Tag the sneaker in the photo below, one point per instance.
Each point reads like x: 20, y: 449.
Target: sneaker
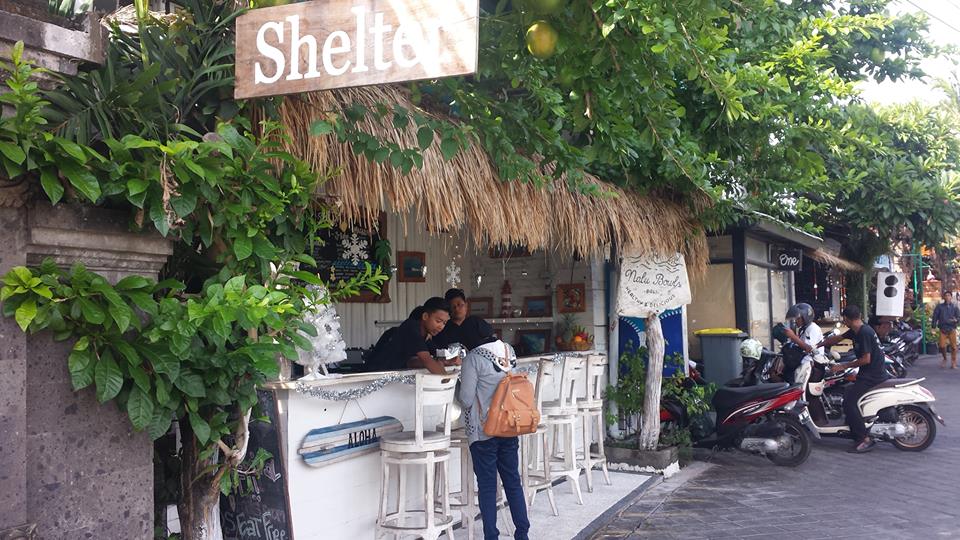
x: 863, y: 447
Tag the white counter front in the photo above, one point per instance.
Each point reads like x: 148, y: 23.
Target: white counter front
x: 340, y: 500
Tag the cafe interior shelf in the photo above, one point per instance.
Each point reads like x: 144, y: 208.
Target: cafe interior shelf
x: 495, y: 322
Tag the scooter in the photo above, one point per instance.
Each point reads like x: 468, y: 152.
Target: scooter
x: 766, y: 419
x: 899, y: 411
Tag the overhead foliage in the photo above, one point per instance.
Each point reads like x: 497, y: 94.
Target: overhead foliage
x: 724, y: 97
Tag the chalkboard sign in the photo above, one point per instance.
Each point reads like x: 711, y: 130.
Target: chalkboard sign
x: 261, y: 511
x: 789, y: 260
x: 341, y: 253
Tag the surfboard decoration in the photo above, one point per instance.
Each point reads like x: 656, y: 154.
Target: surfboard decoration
x: 333, y: 444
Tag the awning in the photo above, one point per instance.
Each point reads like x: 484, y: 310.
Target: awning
x: 829, y: 259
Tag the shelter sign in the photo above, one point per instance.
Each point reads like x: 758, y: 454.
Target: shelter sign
x: 327, y: 44
x: 652, y: 284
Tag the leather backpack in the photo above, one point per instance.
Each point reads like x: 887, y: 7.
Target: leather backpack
x: 513, y: 408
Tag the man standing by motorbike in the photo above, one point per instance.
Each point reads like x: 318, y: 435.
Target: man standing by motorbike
x: 806, y: 335
x: 869, y: 360
x: 945, y: 318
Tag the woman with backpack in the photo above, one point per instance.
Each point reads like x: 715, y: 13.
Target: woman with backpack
x: 486, y: 365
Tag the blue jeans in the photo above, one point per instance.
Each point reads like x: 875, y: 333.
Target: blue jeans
x: 499, y: 454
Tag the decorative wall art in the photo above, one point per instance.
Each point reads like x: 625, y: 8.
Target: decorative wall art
x: 411, y: 266
x: 481, y: 307
x: 529, y: 342
x: 537, y: 306
x: 341, y: 253
x: 571, y: 298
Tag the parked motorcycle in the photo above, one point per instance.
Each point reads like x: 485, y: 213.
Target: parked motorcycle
x: 767, y: 419
x: 912, y: 339
x: 899, y: 411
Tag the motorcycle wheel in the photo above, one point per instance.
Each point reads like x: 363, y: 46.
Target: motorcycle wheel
x: 800, y: 446
x: 924, y: 426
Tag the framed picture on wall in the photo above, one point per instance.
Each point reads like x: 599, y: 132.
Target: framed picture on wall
x: 530, y: 342
x: 571, y: 298
x: 411, y: 266
x: 481, y: 307
x: 537, y: 306
x: 509, y: 252
x: 342, y: 253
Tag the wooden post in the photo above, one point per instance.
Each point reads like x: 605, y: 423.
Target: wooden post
x: 650, y: 421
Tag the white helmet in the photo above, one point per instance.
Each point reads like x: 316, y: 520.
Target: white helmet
x: 751, y: 348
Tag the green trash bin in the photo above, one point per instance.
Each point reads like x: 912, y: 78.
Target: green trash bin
x: 721, y: 353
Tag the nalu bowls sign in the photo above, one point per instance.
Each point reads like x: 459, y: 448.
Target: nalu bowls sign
x: 341, y: 43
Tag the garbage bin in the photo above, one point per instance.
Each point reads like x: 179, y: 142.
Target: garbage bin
x: 721, y: 353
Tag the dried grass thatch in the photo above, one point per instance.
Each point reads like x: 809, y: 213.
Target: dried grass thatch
x: 829, y: 259
x: 467, y: 192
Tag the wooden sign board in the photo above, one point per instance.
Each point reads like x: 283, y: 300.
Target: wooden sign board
x: 652, y: 284
x: 327, y: 44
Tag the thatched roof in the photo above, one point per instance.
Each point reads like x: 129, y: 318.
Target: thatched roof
x: 466, y: 192
x: 825, y: 257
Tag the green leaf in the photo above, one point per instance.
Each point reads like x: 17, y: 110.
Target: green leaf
x: 242, y: 247
x: 191, y: 384
x: 140, y: 408
x: 160, y: 423
x: 13, y: 152
x: 128, y: 352
x: 121, y: 315
x: 449, y: 148
x: 163, y: 391
x: 130, y: 283
x: 307, y: 277
x: 424, y: 137
x: 91, y: 311
x: 140, y: 377
x: 72, y: 148
x: 80, y: 365
x: 26, y: 313
x: 80, y: 178
x: 108, y: 377
x: 200, y: 428
x: 321, y: 127
x: 51, y: 185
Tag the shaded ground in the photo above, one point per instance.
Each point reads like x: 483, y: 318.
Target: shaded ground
x: 884, y: 494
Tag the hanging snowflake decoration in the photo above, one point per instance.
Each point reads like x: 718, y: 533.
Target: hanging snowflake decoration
x: 353, y: 247
x: 453, y: 274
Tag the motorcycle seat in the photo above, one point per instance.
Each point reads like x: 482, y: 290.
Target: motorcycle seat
x: 728, y: 397
x: 891, y: 383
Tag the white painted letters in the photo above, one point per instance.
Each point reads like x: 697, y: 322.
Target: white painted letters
x: 270, y: 52
x: 329, y: 50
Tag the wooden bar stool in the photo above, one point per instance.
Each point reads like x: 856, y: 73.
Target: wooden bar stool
x: 558, y: 418
x: 414, y: 448
x: 466, y: 499
x: 590, y: 412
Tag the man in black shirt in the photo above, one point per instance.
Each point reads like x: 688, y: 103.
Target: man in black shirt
x: 869, y: 360
x: 468, y: 331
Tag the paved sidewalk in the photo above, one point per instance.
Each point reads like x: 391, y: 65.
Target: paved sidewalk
x: 884, y: 494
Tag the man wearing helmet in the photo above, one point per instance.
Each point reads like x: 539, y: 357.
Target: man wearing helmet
x: 801, y: 329
x: 804, y: 336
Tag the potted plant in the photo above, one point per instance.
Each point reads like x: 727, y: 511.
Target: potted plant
x: 628, y: 394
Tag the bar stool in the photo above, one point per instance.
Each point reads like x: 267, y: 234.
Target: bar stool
x: 590, y: 412
x: 559, y: 418
x: 466, y: 499
x: 412, y: 448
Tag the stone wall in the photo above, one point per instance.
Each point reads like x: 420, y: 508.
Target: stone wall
x: 68, y: 465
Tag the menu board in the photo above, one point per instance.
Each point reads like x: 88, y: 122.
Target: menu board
x: 260, y: 510
x: 341, y: 252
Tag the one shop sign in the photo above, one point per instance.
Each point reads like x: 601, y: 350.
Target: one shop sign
x: 652, y: 284
x: 327, y: 44
x: 789, y: 260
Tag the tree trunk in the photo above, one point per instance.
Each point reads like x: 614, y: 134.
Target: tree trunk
x: 199, y: 506
x: 650, y: 423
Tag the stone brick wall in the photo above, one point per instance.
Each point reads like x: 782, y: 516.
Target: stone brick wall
x: 69, y: 465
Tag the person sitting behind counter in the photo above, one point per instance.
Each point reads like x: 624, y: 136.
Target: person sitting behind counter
x: 461, y: 328
x: 408, y: 345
